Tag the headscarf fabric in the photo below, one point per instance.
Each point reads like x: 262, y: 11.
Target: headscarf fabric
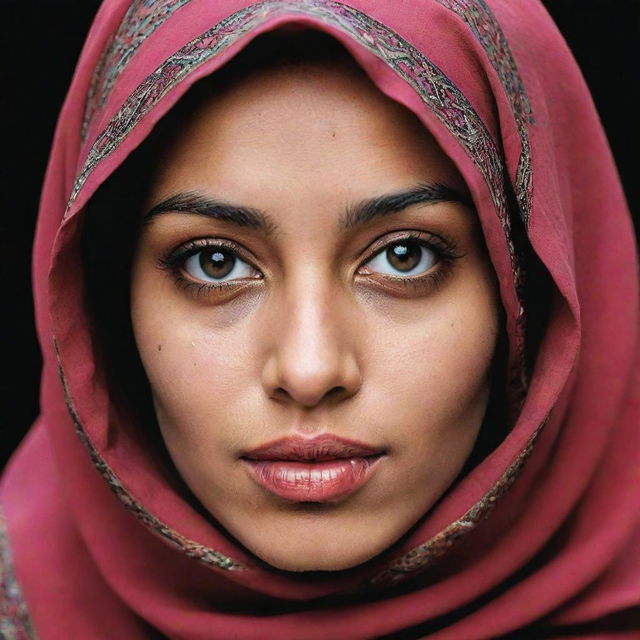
x: 541, y: 537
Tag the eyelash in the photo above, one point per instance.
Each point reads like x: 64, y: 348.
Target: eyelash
x: 174, y: 263
x: 444, y: 249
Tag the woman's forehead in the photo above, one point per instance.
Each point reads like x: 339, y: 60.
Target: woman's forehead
x: 330, y: 133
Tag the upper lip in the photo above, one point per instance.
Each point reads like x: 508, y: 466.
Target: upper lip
x: 322, y: 447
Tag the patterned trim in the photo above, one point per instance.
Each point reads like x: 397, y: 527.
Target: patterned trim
x: 188, y: 547
x: 488, y: 32
x: 15, y: 621
x: 142, y: 18
x: 419, y: 558
x: 438, y: 94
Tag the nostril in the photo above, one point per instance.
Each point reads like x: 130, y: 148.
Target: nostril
x: 335, y: 394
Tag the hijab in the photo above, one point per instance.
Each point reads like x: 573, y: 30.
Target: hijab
x: 542, y: 536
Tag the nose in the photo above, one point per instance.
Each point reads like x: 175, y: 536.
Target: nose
x: 313, y: 356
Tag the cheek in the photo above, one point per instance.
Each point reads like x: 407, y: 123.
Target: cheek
x: 197, y: 358
x: 443, y: 358
x: 194, y: 376
x: 435, y: 373
x: 200, y: 381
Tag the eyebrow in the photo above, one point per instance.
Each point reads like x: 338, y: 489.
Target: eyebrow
x: 196, y: 203
x: 367, y: 210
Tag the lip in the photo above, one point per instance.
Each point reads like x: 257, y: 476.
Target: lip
x: 318, y: 469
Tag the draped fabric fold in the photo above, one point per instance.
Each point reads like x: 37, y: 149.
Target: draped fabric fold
x: 542, y: 533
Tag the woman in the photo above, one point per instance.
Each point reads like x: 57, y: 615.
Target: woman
x: 344, y: 335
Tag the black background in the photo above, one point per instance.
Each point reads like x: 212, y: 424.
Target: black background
x: 41, y: 41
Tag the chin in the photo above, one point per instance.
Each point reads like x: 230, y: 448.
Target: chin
x: 310, y: 563
x: 327, y: 552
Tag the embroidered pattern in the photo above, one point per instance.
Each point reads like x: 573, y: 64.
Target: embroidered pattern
x: 189, y: 547
x: 435, y: 89
x: 142, y: 18
x: 488, y: 32
x: 438, y: 94
x: 419, y: 558
x: 15, y: 622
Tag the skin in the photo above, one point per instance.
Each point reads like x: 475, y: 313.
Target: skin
x: 314, y: 338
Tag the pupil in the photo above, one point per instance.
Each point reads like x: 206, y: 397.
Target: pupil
x: 217, y: 263
x: 404, y: 256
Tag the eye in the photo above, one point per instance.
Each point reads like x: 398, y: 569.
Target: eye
x: 216, y: 264
x: 403, y: 258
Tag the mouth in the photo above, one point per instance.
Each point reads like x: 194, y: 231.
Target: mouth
x: 319, y: 469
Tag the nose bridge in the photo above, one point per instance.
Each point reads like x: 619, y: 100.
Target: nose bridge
x: 314, y: 353
x: 312, y: 314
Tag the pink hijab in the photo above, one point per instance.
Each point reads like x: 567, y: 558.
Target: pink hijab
x: 542, y: 537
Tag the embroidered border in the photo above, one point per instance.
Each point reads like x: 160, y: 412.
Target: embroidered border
x: 142, y: 18
x: 487, y: 30
x: 419, y: 558
x: 435, y: 89
x: 15, y: 621
x: 439, y: 95
x: 191, y: 548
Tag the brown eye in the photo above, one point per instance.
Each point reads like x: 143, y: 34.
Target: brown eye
x: 403, y: 258
x: 217, y: 264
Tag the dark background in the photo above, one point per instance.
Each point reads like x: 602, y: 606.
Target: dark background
x: 40, y: 43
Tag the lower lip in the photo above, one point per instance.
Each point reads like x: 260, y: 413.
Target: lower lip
x: 313, y: 481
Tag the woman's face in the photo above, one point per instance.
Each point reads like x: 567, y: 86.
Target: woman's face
x: 316, y: 314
